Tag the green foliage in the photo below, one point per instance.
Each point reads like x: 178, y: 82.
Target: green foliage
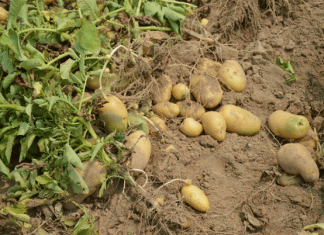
x: 285, y: 65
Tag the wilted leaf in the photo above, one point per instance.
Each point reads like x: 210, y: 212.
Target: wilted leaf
x: 88, y: 7
x: 72, y: 157
x: 65, y: 68
x: 88, y: 37
x: 15, y: 7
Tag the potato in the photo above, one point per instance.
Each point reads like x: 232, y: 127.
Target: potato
x: 204, y: 22
x: 140, y: 145
x: 166, y: 109
x: 93, y: 81
x: 195, y: 197
x: 206, y: 90
x: 232, y: 74
x: 288, y: 180
x: 159, y: 123
x: 310, y: 141
x: 162, y: 89
x: 294, y: 159
x: 288, y: 125
x: 209, y: 66
x: 180, y: 91
x: 114, y: 114
x: 92, y: 174
x: 48, y: 2
x: 214, y: 125
x: 190, y: 109
x: 3, y: 14
x: 240, y: 121
x: 190, y: 127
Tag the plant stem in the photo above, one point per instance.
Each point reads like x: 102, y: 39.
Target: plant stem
x: 180, y: 3
x: 109, y: 14
x: 58, y: 58
x: 138, y: 7
x: 38, y: 29
x: 113, y: 23
x: 155, y: 28
x: 13, y: 106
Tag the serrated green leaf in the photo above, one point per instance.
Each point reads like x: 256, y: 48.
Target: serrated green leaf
x: 25, y: 145
x: 10, y: 38
x: 15, y: 7
x: 151, y: 8
x: 88, y: 7
x: 88, y: 37
x: 6, y: 62
x: 65, y: 68
x: 23, y: 14
x: 72, y: 157
x: 31, y: 64
x: 76, y: 178
x: 8, y: 80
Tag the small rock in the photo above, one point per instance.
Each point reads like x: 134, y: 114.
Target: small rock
x: 256, y: 78
x: 277, y: 42
x: 279, y: 94
x: 258, y: 59
x: 249, y: 72
x: 207, y: 141
x: 318, y: 123
x: 290, y: 46
x: 246, y: 66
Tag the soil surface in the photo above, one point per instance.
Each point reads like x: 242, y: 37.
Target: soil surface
x: 238, y: 175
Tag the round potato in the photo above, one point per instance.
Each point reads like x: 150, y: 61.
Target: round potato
x: 180, y: 91
x: 294, y: 159
x: 162, y: 89
x: 3, y: 14
x: 206, y: 90
x: 240, y: 121
x: 232, y: 74
x: 140, y: 145
x: 190, y: 127
x: 209, y: 66
x: 190, y: 109
x: 214, y: 125
x: 166, y: 109
x: 288, y: 125
x: 114, y: 114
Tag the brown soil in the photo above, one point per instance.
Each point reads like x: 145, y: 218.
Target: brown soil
x: 238, y: 174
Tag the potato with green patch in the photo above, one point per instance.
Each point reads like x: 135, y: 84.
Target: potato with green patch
x: 288, y: 125
x: 206, y: 90
x: 190, y: 127
x: 232, y: 74
x: 190, y: 108
x: 240, y: 121
x: 214, y: 125
x: 180, y: 91
x: 162, y: 89
x: 114, y: 114
x: 166, y: 109
x: 295, y: 159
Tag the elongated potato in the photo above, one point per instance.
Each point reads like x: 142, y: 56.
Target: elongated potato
x: 214, y: 125
x: 190, y: 127
x: 288, y: 125
x: 162, y: 89
x: 180, y: 91
x: 195, y: 197
x: 232, y: 74
x: 114, y: 114
x: 190, y: 109
x: 140, y: 145
x: 209, y: 66
x: 206, y: 90
x: 240, y: 121
x: 159, y: 123
x: 288, y: 180
x: 294, y: 158
x: 92, y: 174
x: 166, y: 109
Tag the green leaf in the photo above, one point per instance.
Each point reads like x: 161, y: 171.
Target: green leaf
x: 24, y: 128
x: 10, y: 38
x: 175, y: 25
x: 77, y: 179
x: 72, y: 157
x: 151, y: 8
x: 54, y: 187
x: 3, y: 169
x: 28, y: 110
x: 291, y: 79
x: 23, y: 14
x: 52, y: 101
x: 285, y: 65
x: 8, y: 80
x: 172, y: 15
x: 6, y: 62
x: 64, y: 25
x: 88, y: 7
x: 18, y: 178
x: 25, y: 145
x: 88, y: 37
x: 96, y: 150
x: 44, y: 179
x: 10, y: 144
x: 31, y: 64
x: 65, y: 68
x: 15, y: 7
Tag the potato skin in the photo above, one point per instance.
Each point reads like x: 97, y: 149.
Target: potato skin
x: 288, y: 125
x: 114, y: 114
x: 214, y: 125
x: 162, y: 89
x: 159, y: 123
x: 310, y: 141
x: 209, y: 66
x: 92, y: 173
x: 166, y: 109
x: 206, y: 90
x: 180, y: 91
x: 190, y: 109
x: 195, y: 197
x: 3, y: 14
x: 240, y: 121
x: 232, y: 74
x: 140, y: 145
x: 190, y: 127
x: 288, y: 180
x: 294, y: 158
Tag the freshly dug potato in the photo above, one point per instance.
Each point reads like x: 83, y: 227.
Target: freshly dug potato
x: 206, y: 90
x: 288, y: 125
x: 190, y: 127
x: 92, y: 173
x: 214, y: 125
x: 240, y: 121
x: 232, y: 74
x: 3, y: 14
x: 294, y: 158
x: 162, y: 89
x: 93, y: 81
x: 190, y: 109
x: 204, y: 22
x: 195, y: 197
x: 310, y: 141
x: 288, y: 180
x: 140, y: 145
x: 159, y: 123
x: 166, y: 109
x: 48, y: 2
x: 114, y: 114
x: 209, y: 66
x: 180, y: 91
